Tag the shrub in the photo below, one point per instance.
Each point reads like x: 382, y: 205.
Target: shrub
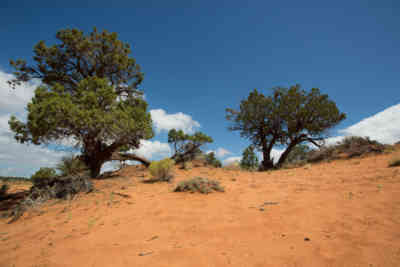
x: 395, y: 162
x: 356, y: 146
x: 187, y: 165
x: 43, y: 173
x: 199, y: 184
x: 162, y: 170
x: 71, y: 165
x: 212, y: 160
x: 3, y: 190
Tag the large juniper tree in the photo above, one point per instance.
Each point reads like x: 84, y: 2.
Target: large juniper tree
x: 287, y: 117
x: 89, y: 93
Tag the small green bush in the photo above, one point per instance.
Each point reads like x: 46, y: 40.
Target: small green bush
x: 43, y: 173
x: 395, y: 162
x: 187, y: 165
x: 162, y: 170
x: 249, y: 159
x: 199, y: 184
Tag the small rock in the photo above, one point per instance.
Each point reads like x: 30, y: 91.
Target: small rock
x: 262, y: 209
x: 141, y: 254
x: 307, y: 239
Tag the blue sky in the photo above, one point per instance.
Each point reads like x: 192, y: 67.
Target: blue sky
x: 200, y: 57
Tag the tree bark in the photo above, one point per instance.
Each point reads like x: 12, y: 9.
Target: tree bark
x: 285, y: 154
x: 126, y: 156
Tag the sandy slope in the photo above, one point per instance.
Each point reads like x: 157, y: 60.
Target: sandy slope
x: 348, y: 210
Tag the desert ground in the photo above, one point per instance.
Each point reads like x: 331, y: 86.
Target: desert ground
x: 341, y: 213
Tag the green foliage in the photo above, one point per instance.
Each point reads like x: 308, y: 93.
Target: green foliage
x: 89, y: 94
x: 249, y: 159
x: 199, y: 184
x: 212, y: 160
x: 288, y: 116
x: 395, y: 162
x: 162, y: 170
x: 43, y: 173
x: 71, y: 166
x: 187, y: 147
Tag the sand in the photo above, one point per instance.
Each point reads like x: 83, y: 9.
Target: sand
x: 342, y: 213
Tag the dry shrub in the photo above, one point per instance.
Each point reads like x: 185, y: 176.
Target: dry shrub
x: 199, y: 184
x: 395, y: 162
x: 349, y: 147
x: 45, y: 188
x: 162, y: 170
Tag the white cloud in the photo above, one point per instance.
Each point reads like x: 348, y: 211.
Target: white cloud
x: 12, y: 99
x: 220, y: 152
x: 383, y: 126
x: 180, y: 121
x: 19, y: 159
x: 153, y: 149
x: 231, y: 160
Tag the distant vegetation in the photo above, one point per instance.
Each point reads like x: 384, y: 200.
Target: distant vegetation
x: 14, y: 179
x: 249, y: 159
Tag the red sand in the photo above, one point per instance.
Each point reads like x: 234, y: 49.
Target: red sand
x: 343, y: 213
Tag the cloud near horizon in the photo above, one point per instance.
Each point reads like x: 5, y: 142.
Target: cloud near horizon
x: 220, y: 152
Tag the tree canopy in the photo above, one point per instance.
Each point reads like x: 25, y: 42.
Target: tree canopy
x: 286, y: 117
x: 186, y: 146
x: 89, y: 93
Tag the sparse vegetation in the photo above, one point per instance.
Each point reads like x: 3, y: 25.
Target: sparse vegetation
x: 199, y: 184
x: 234, y: 166
x: 212, y: 160
x: 349, y: 147
x: 162, y: 170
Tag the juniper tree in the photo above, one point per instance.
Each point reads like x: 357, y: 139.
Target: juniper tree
x: 287, y: 117
x: 249, y: 159
x: 186, y: 146
x: 89, y: 93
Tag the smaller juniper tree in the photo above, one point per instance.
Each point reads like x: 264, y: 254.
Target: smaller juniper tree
x: 249, y: 159
x: 212, y: 160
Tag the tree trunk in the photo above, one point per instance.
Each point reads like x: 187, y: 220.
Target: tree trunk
x: 95, y: 167
x: 126, y: 156
x: 285, y: 154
